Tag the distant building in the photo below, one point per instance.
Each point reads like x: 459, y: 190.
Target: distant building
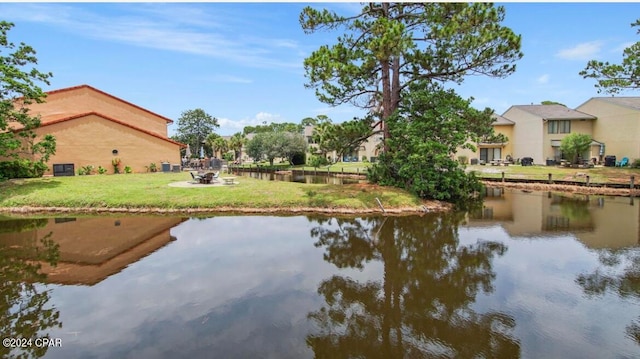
x: 537, y: 131
x: 489, y: 151
x: 617, y: 126
x: 369, y: 150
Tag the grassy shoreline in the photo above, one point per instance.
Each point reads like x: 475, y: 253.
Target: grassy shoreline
x: 151, y: 193
x: 597, y: 174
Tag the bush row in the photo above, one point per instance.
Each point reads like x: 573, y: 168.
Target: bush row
x: 22, y: 168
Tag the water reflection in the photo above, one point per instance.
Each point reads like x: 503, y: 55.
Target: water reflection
x: 25, y: 311
x: 421, y: 306
x: 451, y: 285
x: 596, y: 221
x: 93, y: 248
x: 300, y: 178
x: 619, y: 272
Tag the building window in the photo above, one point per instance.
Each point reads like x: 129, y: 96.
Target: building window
x: 490, y: 154
x: 559, y: 126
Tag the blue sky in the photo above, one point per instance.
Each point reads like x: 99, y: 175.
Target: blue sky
x: 243, y: 62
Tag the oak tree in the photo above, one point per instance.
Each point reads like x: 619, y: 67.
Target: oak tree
x: 271, y: 145
x: 27, y: 153
x: 194, y: 126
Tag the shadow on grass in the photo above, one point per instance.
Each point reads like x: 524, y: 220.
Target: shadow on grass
x: 21, y: 187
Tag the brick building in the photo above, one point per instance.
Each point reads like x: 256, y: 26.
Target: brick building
x: 92, y: 127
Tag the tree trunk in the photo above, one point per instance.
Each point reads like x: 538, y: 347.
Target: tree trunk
x: 390, y: 87
x: 386, y: 89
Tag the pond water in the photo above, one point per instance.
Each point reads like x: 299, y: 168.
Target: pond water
x: 300, y: 178
x: 531, y: 275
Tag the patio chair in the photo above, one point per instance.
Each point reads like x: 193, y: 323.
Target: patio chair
x: 208, y: 177
x: 196, y: 178
x: 623, y: 163
x: 212, y: 177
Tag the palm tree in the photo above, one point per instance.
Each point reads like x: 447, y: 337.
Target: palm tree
x: 210, y: 141
x: 221, y: 146
x: 321, y: 134
x: 236, y: 142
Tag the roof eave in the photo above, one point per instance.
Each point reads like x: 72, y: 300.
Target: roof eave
x: 168, y: 120
x: 73, y: 117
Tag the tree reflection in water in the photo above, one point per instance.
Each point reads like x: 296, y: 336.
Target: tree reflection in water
x: 624, y: 283
x: 421, y: 308
x: 23, y: 303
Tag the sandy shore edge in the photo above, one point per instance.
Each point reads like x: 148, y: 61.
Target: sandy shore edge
x: 426, y: 207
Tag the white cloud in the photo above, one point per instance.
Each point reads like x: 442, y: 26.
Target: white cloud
x: 622, y: 46
x: 229, y: 126
x: 285, y: 43
x: 543, y: 79
x: 266, y: 117
x: 339, y: 113
x: 187, y: 31
x: 230, y: 79
x: 585, y: 51
x: 188, y: 15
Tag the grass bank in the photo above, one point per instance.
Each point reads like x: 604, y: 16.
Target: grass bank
x: 151, y: 192
x: 597, y: 174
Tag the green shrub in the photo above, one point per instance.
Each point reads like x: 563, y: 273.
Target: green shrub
x: 462, y: 160
x: 102, y: 170
x: 86, y: 170
x: 229, y: 156
x: 152, y: 167
x: 420, y: 151
x: 432, y: 177
x: 317, y: 161
x: 116, y: 164
x: 298, y: 159
x: 635, y: 163
x: 127, y: 169
x: 22, y: 168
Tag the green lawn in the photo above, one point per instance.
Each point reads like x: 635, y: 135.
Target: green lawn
x: 151, y: 190
x: 596, y: 174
